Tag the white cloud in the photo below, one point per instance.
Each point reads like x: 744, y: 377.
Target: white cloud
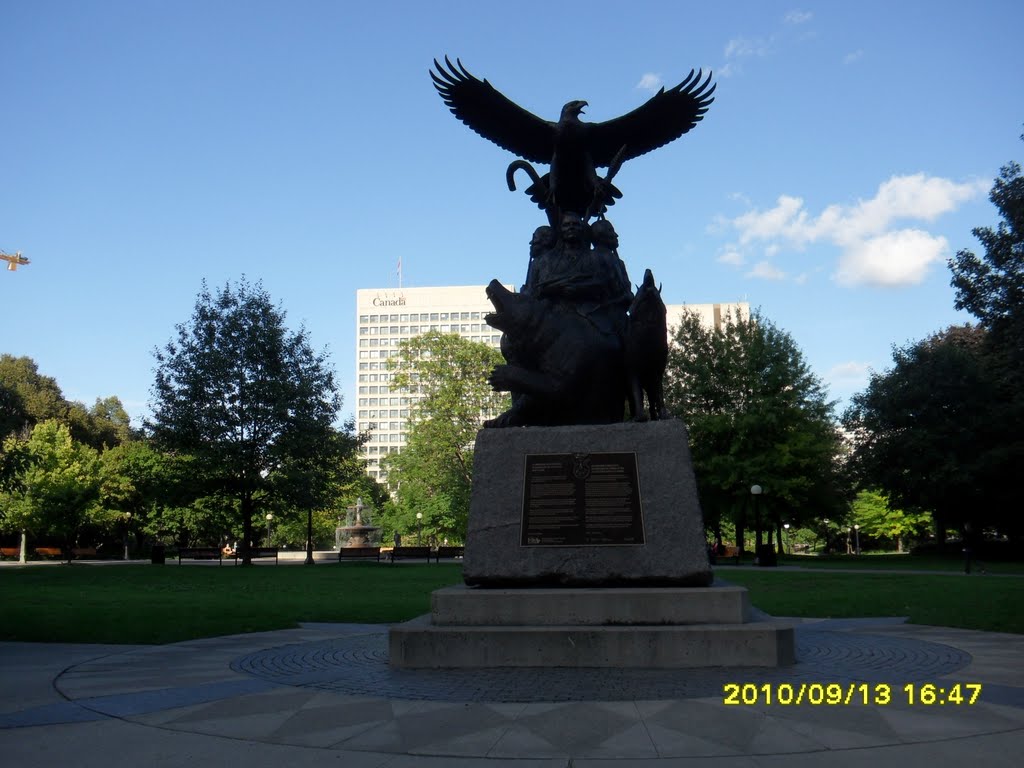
x: 731, y: 256
x: 786, y: 220
x: 891, y: 260
x: 798, y: 17
x: 850, y: 370
x: 852, y: 57
x: 874, y: 252
x: 766, y: 271
x: 650, y: 82
x: 744, y: 47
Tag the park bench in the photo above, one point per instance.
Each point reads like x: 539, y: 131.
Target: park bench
x: 261, y: 552
x: 403, y: 553
x: 50, y: 552
x: 449, y: 553
x: 352, y: 553
x: 10, y: 551
x: 83, y: 552
x: 201, y: 553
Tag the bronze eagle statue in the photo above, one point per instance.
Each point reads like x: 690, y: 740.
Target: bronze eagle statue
x: 574, y: 150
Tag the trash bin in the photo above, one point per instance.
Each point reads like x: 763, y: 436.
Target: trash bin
x: 766, y: 556
x: 158, y: 554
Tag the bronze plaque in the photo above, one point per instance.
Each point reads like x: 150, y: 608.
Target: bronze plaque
x: 581, y: 499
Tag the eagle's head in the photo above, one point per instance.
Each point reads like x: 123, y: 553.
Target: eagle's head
x: 572, y: 110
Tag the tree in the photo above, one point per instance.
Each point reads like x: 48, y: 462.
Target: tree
x: 879, y: 519
x: 28, y: 398
x: 434, y: 472
x: 110, y: 421
x: 937, y: 433
x: 756, y: 415
x: 251, y: 401
x: 992, y: 287
x: 57, y: 490
x: 139, y: 482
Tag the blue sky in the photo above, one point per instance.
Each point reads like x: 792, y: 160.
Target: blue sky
x: 148, y: 145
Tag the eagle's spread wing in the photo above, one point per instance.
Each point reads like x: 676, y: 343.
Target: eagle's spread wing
x: 492, y: 115
x: 664, y: 118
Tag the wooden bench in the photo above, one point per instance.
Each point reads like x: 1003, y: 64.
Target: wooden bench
x: 352, y: 553
x: 201, y: 553
x: 10, y: 552
x: 449, y: 553
x: 261, y: 552
x: 50, y: 552
x: 402, y: 553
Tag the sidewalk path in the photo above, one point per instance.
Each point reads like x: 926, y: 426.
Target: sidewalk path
x: 324, y: 694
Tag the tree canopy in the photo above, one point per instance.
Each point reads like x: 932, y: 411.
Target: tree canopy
x: 433, y: 473
x: 991, y: 287
x: 877, y: 518
x: 252, y: 402
x: 58, y: 487
x: 28, y: 398
x: 756, y: 415
x: 938, y: 431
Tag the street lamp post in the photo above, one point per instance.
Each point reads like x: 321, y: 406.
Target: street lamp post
x: 755, y: 491
x: 269, y: 518
x: 309, y: 538
x: 419, y: 535
x: 127, y: 522
x: 856, y: 539
x: 785, y: 527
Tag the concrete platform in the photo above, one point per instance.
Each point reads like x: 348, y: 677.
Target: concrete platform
x: 324, y: 695
x: 625, y: 628
x: 460, y: 605
x: 418, y: 644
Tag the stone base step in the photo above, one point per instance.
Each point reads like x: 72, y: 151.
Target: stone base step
x: 418, y: 644
x: 604, y: 606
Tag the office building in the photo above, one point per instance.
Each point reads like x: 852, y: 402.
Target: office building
x: 385, y: 317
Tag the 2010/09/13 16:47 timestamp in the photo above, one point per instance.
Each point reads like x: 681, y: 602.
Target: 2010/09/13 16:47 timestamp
x: 846, y: 694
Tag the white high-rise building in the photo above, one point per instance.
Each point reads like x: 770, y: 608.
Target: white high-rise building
x: 386, y: 316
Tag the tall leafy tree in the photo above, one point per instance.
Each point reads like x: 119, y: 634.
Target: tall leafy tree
x: 879, y: 519
x: 434, y: 472
x: 57, y: 488
x: 250, y: 400
x: 30, y: 397
x: 27, y: 398
x: 937, y: 432
x: 757, y: 415
x: 991, y: 287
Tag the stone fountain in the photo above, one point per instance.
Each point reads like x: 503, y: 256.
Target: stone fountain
x: 357, y: 533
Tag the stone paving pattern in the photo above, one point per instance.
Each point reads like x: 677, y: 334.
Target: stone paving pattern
x: 324, y: 693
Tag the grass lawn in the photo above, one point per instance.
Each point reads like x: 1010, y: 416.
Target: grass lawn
x: 991, y: 603
x: 896, y: 562
x: 165, y: 604
x: 151, y: 604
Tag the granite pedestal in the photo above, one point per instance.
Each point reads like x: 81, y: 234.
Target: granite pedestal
x: 672, y: 550
x: 586, y: 549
